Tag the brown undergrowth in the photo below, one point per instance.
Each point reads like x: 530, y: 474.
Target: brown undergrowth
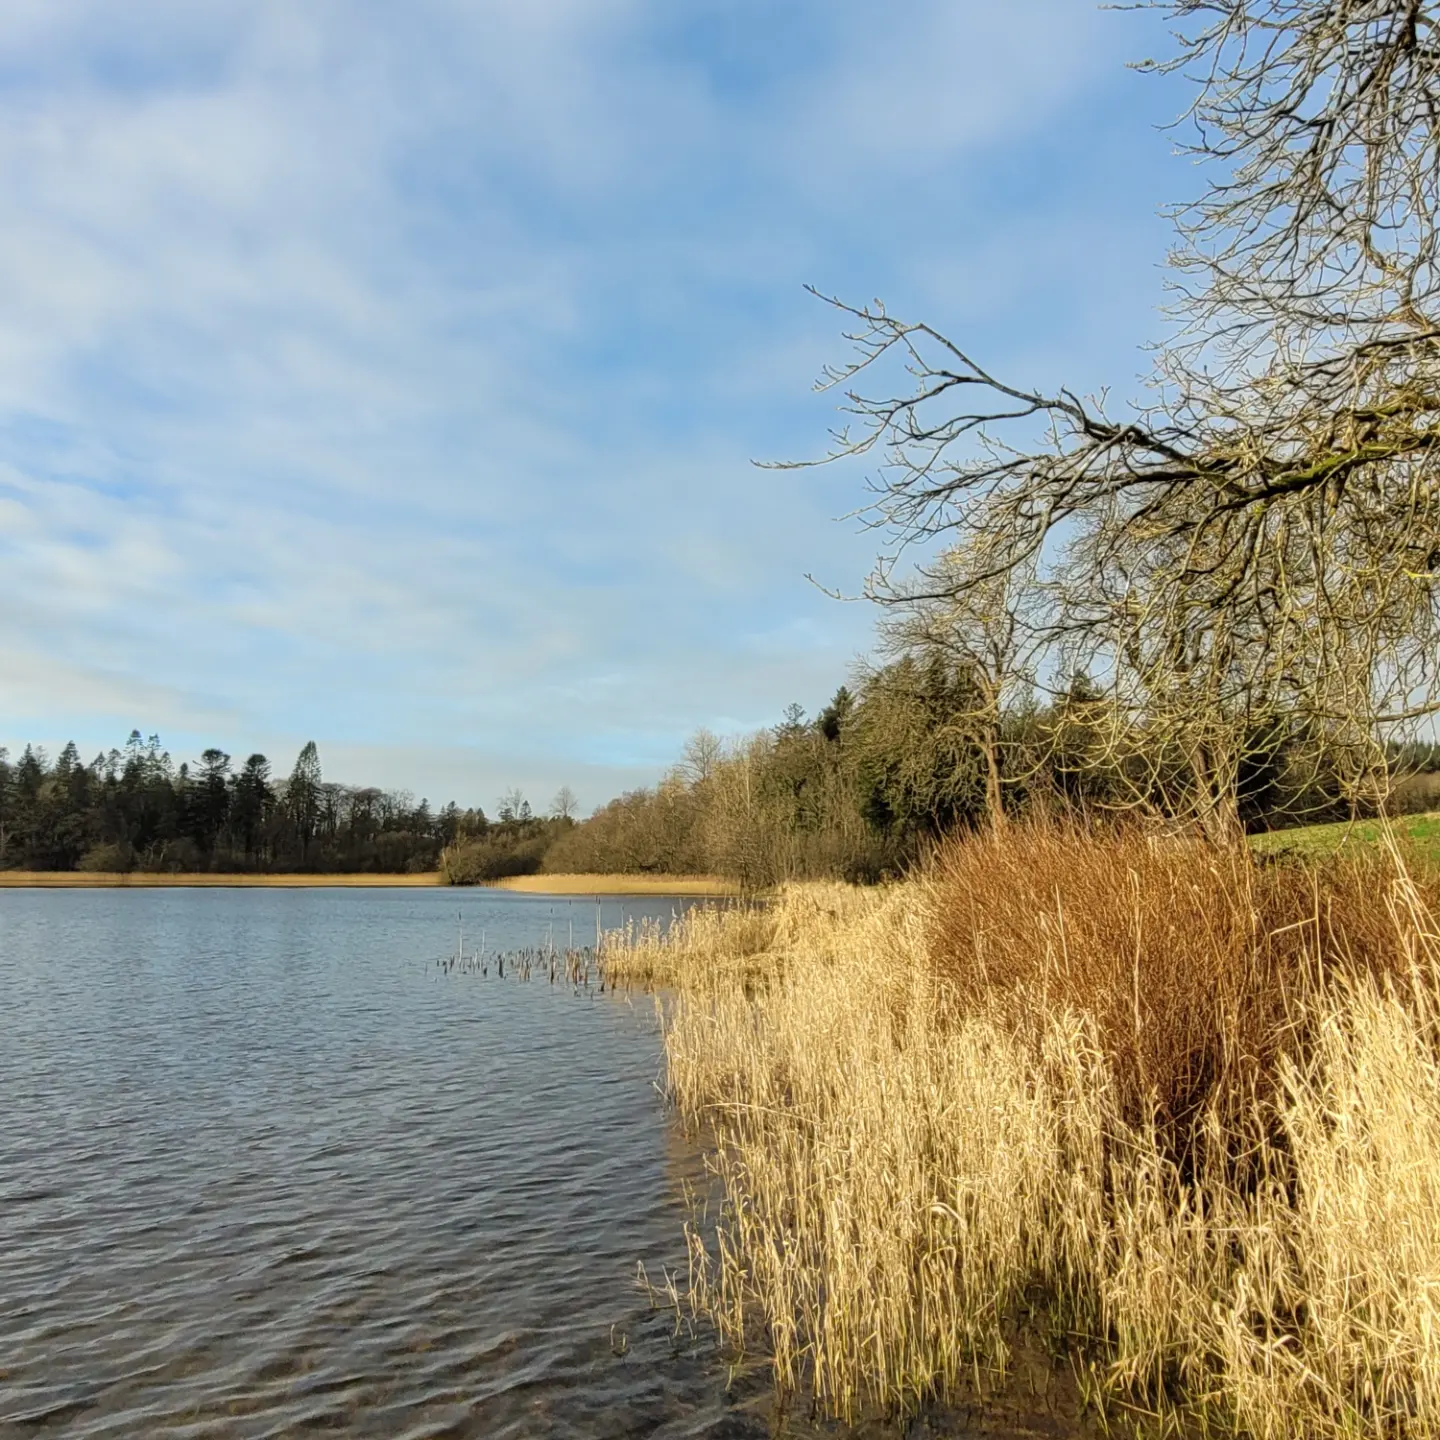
x: 1179, y: 1114
x: 1190, y: 963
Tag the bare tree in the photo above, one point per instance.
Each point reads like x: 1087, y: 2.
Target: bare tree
x: 703, y: 752
x: 1325, y: 116
x: 980, y: 627
x: 565, y: 805
x: 1258, y: 542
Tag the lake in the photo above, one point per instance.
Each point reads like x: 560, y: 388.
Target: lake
x: 266, y: 1169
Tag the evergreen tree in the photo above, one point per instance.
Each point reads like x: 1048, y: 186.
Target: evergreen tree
x: 302, y: 796
x: 210, y: 799
x: 251, y: 804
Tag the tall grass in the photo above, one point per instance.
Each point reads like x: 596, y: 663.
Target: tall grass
x: 1176, y: 1115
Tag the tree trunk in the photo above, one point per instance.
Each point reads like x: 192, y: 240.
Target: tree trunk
x: 994, y: 794
x: 1217, y: 802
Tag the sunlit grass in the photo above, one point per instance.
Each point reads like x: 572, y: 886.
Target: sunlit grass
x: 617, y: 885
x: 1419, y: 833
x: 1178, y: 1114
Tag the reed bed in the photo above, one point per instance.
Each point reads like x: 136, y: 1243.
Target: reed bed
x: 679, y: 885
x: 576, y: 966
x: 1172, y: 1115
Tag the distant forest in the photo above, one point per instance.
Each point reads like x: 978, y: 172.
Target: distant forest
x: 135, y: 809
x: 915, y: 749
x: 912, y: 751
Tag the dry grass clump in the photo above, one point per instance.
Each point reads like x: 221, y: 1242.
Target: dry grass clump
x: 917, y: 1154
x: 715, y: 947
x: 549, y: 883
x: 1188, y: 961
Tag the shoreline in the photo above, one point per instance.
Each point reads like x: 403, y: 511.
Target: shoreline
x: 680, y: 885
x: 187, y: 880
x: 568, y: 885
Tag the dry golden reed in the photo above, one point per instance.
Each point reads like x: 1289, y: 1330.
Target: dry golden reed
x: 1181, y: 1114
x: 1187, y: 960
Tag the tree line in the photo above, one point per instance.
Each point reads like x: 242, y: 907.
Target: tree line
x: 133, y: 808
x: 913, y: 749
x: 917, y: 748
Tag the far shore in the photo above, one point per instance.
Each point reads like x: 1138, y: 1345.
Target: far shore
x: 145, y: 879
x: 618, y: 885
x: 523, y: 884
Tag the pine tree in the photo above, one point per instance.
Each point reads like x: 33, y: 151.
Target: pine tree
x: 302, y: 796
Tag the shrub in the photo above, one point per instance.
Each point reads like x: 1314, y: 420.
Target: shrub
x: 494, y: 857
x: 108, y: 859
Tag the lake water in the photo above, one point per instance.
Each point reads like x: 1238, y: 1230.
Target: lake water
x: 265, y: 1169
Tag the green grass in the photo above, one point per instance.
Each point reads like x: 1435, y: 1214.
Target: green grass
x: 1419, y: 833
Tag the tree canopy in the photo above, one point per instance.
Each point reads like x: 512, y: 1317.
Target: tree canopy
x: 134, y: 808
x: 1255, y: 542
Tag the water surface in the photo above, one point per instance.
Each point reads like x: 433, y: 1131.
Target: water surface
x: 266, y: 1169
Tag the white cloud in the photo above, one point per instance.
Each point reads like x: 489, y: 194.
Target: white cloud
x: 389, y: 375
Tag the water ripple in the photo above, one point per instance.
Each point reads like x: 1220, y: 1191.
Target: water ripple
x: 264, y: 1171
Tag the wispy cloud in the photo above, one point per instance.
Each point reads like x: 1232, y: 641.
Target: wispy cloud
x: 390, y: 375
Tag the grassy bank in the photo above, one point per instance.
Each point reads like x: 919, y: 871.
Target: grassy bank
x: 1418, y: 834
x: 90, y: 880
x: 1171, y: 1114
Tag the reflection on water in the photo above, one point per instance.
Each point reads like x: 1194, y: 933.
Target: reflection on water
x: 265, y: 1169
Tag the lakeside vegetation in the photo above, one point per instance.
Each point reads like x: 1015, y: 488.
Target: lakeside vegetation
x: 1116, y: 1070
x: 684, y: 886
x: 898, y: 761
x: 1145, y: 1106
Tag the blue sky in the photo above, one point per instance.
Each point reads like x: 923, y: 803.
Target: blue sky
x: 389, y: 375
